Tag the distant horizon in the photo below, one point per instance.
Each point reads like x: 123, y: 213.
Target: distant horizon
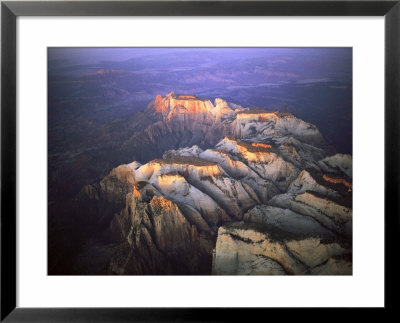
x: 102, y: 54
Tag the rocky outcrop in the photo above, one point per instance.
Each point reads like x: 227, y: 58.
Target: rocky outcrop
x: 256, y: 192
x: 176, y: 121
x: 332, y: 215
x: 339, y: 163
x: 158, y: 239
x: 307, y: 230
x: 177, y: 106
x: 262, y: 159
x: 246, y: 249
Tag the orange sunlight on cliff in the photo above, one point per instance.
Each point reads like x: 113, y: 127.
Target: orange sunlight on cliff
x: 136, y: 191
x: 169, y: 179
x: 338, y: 181
x: 161, y: 203
x: 258, y: 144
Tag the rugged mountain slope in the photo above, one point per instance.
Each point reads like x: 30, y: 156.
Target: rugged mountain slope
x: 185, y: 120
x: 259, y: 193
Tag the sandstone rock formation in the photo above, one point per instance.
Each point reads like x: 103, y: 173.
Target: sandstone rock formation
x: 244, y: 191
x: 177, y: 121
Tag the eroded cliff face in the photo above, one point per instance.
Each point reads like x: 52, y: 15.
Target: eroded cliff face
x: 156, y: 238
x: 307, y: 230
x: 263, y: 197
x: 245, y: 250
x: 176, y: 121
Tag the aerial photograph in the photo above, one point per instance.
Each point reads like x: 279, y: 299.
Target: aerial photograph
x: 200, y: 161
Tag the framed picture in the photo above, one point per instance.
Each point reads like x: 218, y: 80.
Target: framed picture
x: 161, y: 159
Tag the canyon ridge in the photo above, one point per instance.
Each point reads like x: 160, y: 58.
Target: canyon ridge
x: 218, y: 188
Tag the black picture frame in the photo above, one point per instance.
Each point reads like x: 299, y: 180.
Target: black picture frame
x: 10, y: 10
